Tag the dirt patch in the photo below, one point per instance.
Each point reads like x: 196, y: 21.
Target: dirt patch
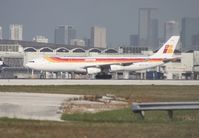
x: 93, y: 104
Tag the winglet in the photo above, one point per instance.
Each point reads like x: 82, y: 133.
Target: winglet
x: 167, y: 50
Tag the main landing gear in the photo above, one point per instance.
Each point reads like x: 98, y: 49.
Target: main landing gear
x: 103, y: 76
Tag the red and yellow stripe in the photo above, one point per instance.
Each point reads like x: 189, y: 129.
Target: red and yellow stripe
x: 100, y: 60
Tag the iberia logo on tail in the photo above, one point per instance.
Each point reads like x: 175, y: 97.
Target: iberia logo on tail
x: 168, y: 49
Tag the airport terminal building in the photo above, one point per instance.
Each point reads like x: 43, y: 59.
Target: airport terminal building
x: 15, y: 55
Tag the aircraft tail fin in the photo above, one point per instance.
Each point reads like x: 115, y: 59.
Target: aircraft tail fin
x: 167, y: 50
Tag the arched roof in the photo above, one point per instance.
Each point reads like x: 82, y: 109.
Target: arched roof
x: 111, y: 50
x: 30, y: 49
x: 95, y: 50
x: 78, y: 50
x: 46, y: 49
x: 190, y: 51
x: 62, y: 49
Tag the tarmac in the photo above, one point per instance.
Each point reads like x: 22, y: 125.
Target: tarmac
x: 33, y: 82
x: 35, y: 106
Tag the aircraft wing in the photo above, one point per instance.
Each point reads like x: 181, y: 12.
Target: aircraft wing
x: 109, y: 64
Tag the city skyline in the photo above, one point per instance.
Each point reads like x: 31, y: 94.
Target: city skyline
x: 120, y: 18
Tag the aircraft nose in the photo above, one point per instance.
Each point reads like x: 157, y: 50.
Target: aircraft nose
x: 27, y: 65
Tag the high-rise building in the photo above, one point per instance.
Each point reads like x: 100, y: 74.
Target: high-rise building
x: 71, y: 33
x: 170, y: 28
x: 87, y: 42
x: 41, y: 39
x: 195, y: 42
x: 16, y: 32
x: 60, y: 35
x: 190, y: 28
x: 98, y: 37
x: 1, y: 33
x: 64, y: 34
x: 148, y: 27
x: 153, y: 39
x: 134, y: 40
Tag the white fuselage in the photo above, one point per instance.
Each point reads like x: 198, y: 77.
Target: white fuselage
x: 45, y: 65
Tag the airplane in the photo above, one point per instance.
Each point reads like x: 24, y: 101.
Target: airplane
x: 103, y: 66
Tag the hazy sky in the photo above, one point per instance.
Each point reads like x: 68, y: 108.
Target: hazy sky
x: 120, y: 17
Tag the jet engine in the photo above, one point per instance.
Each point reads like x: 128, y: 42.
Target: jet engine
x: 93, y: 70
x: 116, y: 68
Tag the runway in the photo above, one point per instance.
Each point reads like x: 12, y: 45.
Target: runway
x: 32, y: 105
x: 34, y: 82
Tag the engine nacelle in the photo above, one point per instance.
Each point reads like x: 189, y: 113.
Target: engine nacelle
x: 116, y: 68
x: 93, y: 70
